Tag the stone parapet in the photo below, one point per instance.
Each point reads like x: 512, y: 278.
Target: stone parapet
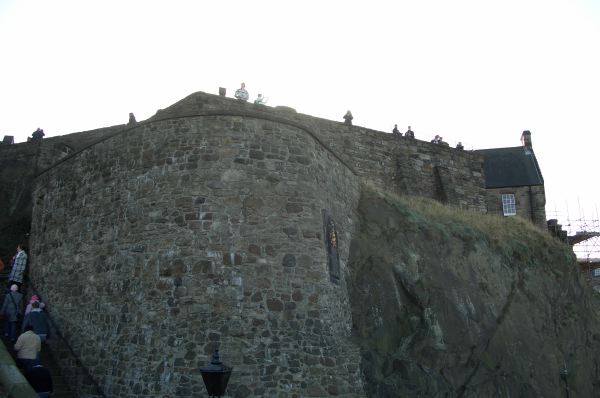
x: 397, y: 164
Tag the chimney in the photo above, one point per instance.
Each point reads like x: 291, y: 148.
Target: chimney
x: 526, y: 140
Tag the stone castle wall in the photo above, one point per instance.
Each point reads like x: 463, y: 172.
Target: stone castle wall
x: 19, y: 166
x: 401, y: 165
x: 179, y: 236
x: 202, y: 227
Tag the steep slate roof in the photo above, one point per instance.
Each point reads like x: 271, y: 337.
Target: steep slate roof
x: 510, y: 167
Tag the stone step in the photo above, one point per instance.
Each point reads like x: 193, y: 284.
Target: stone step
x: 61, y: 388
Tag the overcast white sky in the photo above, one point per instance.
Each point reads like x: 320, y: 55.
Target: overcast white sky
x: 474, y: 71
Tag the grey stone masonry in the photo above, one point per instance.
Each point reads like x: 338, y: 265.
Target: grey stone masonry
x: 397, y: 164
x: 182, y: 235
x: 202, y: 228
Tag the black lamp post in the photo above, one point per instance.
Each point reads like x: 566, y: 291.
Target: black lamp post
x: 564, y: 374
x: 216, y: 376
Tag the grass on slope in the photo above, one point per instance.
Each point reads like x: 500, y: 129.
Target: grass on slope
x: 514, y: 236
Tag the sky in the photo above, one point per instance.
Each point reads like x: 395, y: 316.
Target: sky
x: 475, y: 71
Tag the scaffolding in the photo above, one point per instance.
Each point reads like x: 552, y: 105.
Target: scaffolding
x: 583, y: 231
x: 584, y: 236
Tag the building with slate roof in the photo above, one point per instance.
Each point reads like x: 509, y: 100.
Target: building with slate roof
x: 514, y: 183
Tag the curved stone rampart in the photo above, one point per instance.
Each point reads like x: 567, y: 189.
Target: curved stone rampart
x: 19, y: 166
x: 396, y: 164
x: 157, y: 245
x: 203, y: 226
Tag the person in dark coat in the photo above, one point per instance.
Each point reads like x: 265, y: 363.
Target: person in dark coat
x: 37, y: 134
x: 11, y: 308
x: 38, y: 320
x: 348, y: 118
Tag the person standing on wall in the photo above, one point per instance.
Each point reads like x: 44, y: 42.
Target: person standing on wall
x: 11, y: 308
x: 18, y: 269
x: 241, y: 93
x: 348, y: 118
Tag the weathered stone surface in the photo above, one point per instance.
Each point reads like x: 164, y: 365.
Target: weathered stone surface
x: 219, y: 263
x: 289, y: 260
x: 447, y: 304
x: 218, y: 194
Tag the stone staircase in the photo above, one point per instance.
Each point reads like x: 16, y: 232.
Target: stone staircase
x: 61, y: 388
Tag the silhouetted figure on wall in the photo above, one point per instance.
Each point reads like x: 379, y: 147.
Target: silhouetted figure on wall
x: 396, y: 132
x: 348, y: 118
x: 460, y: 146
x: 37, y: 134
x: 132, y: 118
x: 409, y: 133
x: 438, y: 139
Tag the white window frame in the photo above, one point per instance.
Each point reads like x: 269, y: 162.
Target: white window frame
x: 596, y: 272
x: 509, y: 204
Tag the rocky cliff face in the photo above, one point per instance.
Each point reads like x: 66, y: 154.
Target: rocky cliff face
x: 453, y: 304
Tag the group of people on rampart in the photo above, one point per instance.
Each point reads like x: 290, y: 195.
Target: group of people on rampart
x: 37, y: 135
x: 243, y: 95
x: 438, y: 139
x: 26, y: 327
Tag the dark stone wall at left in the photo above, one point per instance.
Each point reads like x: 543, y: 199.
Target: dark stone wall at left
x: 17, y: 168
x: 19, y: 164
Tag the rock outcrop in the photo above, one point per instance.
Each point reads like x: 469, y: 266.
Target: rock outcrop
x: 453, y: 304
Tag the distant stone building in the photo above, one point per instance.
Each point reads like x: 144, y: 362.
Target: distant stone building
x: 514, y: 183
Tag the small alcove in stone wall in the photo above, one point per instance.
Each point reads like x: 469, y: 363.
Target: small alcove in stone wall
x: 331, y: 243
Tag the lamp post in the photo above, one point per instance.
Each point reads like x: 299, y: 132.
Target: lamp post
x: 564, y: 374
x: 216, y: 376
